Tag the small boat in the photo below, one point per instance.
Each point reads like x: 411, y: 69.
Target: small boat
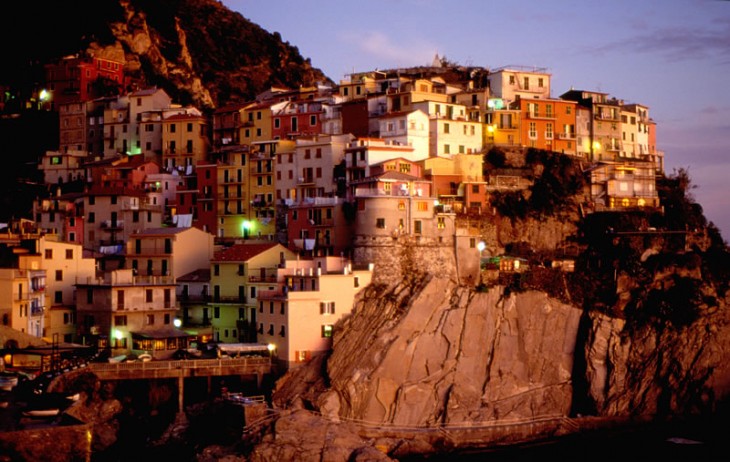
x: 7, y: 381
x: 41, y: 413
x: 145, y: 357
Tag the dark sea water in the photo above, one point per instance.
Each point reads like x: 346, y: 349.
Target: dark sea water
x: 696, y: 442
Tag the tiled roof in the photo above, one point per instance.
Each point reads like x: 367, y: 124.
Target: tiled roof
x: 391, y: 175
x: 199, y: 275
x: 159, y: 231
x: 242, y: 252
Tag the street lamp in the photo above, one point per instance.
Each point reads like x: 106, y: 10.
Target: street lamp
x: 246, y: 228
x: 481, y: 245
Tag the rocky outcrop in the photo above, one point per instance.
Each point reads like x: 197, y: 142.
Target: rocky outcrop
x: 453, y: 356
x: 432, y: 355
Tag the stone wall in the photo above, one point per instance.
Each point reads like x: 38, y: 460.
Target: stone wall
x: 60, y: 443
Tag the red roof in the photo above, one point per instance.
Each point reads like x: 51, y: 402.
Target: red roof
x: 242, y: 252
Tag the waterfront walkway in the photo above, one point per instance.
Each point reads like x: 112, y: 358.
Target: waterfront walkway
x: 252, y: 366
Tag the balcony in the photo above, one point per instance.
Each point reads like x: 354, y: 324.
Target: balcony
x: 302, y: 180
x: 607, y: 117
x: 260, y: 278
x: 112, y: 225
x: 539, y: 116
x: 235, y: 299
x: 566, y: 136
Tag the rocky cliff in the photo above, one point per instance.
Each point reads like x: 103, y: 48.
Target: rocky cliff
x: 199, y: 51
x: 639, y: 332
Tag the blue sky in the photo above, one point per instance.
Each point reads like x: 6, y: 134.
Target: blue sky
x: 671, y: 55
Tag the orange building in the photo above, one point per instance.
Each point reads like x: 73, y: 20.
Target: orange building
x: 548, y: 124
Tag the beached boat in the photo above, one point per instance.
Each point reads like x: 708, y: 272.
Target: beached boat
x: 8, y: 381
x: 41, y: 413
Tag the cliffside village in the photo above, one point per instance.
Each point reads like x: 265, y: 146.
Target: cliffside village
x: 260, y: 224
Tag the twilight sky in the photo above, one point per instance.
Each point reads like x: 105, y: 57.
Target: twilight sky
x: 670, y: 55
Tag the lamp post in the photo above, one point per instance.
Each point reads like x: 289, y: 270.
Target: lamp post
x: 245, y: 228
x: 481, y: 245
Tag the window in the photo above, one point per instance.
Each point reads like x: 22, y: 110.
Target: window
x: 69, y: 254
x: 217, y: 312
x: 446, y: 128
x: 282, y: 331
x: 549, y: 131
x: 532, y: 131
x: 441, y: 222
x: 150, y: 320
x: 49, y: 254
x: 422, y: 206
x: 59, y: 275
x: 312, y: 120
x: 327, y: 331
x: 120, y: 299
x: 92, y: 217
x: 216, y: 270
x: 380, y: 223
x: 326, y: 307
x: 148, y: 295
x: 58, y: 296
x: 172, y: 128
x: 277, y: 122
x: 417, y: 227
x: 120, y: 320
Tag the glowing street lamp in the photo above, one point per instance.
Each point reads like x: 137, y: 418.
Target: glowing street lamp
x: 246, y: 228
x: 176, y: 322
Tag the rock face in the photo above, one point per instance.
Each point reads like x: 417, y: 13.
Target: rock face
x: 454, y: 356
x: 433, y: 354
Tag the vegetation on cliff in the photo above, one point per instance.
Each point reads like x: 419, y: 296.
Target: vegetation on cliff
x: 234, y: 58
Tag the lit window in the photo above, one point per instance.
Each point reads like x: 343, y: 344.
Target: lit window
x: 327, y: 331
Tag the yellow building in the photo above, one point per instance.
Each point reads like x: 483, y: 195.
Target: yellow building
x: 22, y: 293
x: 237, y: 275
x: 184, y: 140
x: 232, y: 196
x: 256, y: 123
x: 65, y: 265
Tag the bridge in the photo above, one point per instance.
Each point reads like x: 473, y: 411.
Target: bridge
x: 256, y: 366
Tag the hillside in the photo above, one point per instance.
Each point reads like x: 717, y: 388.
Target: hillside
x: 174, y: 44
x: 198, y: 51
